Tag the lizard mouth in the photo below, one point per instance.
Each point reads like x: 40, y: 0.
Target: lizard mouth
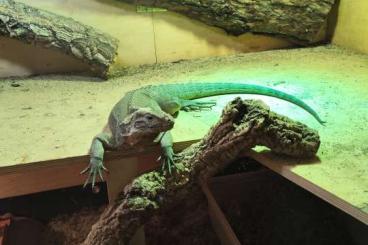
x: 143, y: 125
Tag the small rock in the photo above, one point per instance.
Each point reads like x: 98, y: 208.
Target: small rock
x: 49, y: 114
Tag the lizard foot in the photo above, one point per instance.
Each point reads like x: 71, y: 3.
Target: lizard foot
x: 190, y: 105
x: 95, y: 167
x: 167, y: 159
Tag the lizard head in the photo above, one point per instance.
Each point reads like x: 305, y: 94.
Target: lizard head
x: 145, y: 119
x: 143, y: 125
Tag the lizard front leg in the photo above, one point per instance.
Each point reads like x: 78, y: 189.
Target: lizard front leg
x: 167, y: 157
x: 97, y: 151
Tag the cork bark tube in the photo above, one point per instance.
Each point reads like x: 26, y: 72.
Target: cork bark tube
x: 299, y: 20
x: 243, y: 125
x: 43, y: 28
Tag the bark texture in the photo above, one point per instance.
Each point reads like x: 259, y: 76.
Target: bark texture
x: 39, y: 27
x: 302, y: 20
x: 243, y: 125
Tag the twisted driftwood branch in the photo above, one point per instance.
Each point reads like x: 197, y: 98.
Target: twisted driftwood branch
x: 35, y: 26
x: 243, y: 125
x: 298, y: 19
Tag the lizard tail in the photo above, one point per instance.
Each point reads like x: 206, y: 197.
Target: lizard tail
x: 201, y: 90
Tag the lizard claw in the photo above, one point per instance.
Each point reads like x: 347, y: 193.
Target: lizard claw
x: 167, y: 159
x: 95, y: 167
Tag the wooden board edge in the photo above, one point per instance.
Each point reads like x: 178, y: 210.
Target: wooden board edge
x: 311, y: 187
x: 218, y: 220
x: 54, y: 174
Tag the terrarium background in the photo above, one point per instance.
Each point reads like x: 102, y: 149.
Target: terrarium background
x: 147, y: 38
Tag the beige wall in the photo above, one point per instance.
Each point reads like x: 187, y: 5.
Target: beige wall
x: 145, y: 38
x: 352, y: 25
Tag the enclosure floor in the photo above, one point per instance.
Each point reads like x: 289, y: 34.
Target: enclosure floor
x: 53, y: 117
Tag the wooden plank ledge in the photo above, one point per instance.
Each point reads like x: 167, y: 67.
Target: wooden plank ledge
x: 282, y: 167
x: 47, y: 175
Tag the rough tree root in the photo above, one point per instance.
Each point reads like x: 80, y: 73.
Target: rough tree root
x: 243, y: 125
x: 302, y: 20
x: 39, y: 27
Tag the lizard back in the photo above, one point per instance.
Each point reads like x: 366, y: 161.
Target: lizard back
x: 191, y: 91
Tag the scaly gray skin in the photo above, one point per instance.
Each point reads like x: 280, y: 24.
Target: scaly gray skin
x: 146, y: 115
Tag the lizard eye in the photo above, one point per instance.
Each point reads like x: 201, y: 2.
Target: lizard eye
x: 149, y: 117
